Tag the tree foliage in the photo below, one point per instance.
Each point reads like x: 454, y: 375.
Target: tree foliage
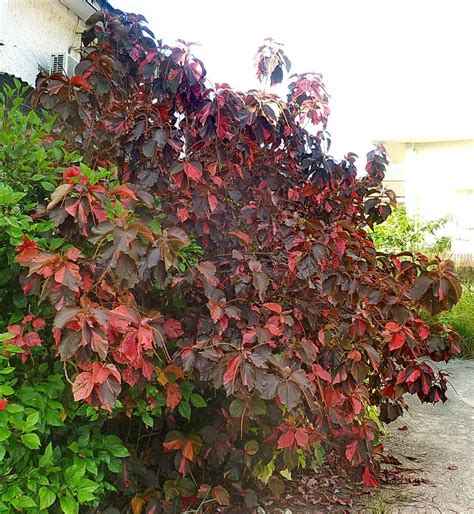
x: 214, y: 278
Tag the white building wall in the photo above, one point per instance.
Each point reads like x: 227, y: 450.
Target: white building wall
x: 32, y: 30
x: 438, y: 181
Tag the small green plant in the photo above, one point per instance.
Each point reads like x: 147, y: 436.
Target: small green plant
x: 402, y: 233
x: 53, y: 456
x: 31, y: 160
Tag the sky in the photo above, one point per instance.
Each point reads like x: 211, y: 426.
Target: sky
x: 394, y: 68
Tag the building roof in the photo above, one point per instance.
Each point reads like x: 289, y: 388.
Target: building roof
x: 86, y: 8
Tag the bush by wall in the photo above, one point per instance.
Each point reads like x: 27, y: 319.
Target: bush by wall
x: 208, y: 281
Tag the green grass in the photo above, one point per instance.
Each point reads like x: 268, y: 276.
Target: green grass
x: 461, y: 319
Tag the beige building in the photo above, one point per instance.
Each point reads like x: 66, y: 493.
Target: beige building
x: 434, y: 177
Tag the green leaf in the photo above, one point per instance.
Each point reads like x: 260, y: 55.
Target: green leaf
x: 31, y: 441
x: 198, y: 401
x: 47, y: 456
x: 14, y: 408
x: 185, y: 410
x: 74, y: 473
x: 4, y: 433
x: 46, y: 497
x: 85, y: 496
x: 47, y: 186
x: 31, y: 421
x: 147, y: 419
x: 119, y: 451
x: 6, y: 390
x: 69, y: 505
x: 24, y: 501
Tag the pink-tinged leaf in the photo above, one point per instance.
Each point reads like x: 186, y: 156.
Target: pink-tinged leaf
x: 173, y: 395
x: 127, y: 314
x: 242, y: 236
x: 193, y: 170
x: 286, y: 440
x: 231, y: 370
x: 275, y: 330
x: 393, y: 326
x: 413, y: 376
x: 369, y: 478
x: 320, y: 372
x: 274, y: 307
x: 424, y: 332
x: 73, y: 254
x: 99, y: 344
x: 293, y: 195
x: 208, y: 270
x: 403, y: 428
x: 351, y: 449
x: 212, y: 202
x: 173, y: 328
x: 397, y: 341
x: 302, y: 438
x: 145, y: 337
x: 183, y: 214
x: 83, y: 386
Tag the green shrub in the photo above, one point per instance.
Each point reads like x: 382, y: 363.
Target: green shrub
x: 53, y: 456
x: 402, y: 233
x: 461, y: 319
x: 54, y: 453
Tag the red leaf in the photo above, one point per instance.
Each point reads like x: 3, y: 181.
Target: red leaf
x: 68, y: 275
x: 287, y: 439
x: 424, y: 331
x: 83, y: 386
x: 392, y: 326
x: 413, y: 376
x: 38, y: 323
x: 369, y: 478
x: 320, y: 372
x: 231, y: 370
x: 351, y: 449
x: 216, y: 311
x: 403, y: 427
x: 173, y: 328
x: 77, y: 80
x: 173, y: 395
x: 274, y: 307
x: 293, y: 195
x: 193, y: 170
x: 212, y: 202
x: 242, y: 236
x: 302, y: 438
x: 275, y: 330
x: 397, y: 341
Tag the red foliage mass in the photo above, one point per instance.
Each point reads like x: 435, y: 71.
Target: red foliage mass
x: 290, y: 305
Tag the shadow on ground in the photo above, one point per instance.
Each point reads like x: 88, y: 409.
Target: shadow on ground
x: 436, y: 452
